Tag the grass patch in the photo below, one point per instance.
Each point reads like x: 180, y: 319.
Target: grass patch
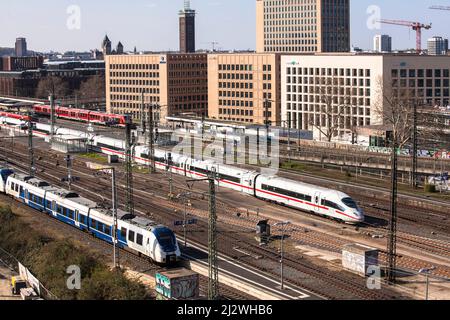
x: 49, y: 259
x: 94, y: 156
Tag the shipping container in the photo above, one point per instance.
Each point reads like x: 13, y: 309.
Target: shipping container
x: 178, y: 284
x: 358, y: 258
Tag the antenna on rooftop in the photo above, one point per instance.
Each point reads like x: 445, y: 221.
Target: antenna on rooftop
x: 187, y: 5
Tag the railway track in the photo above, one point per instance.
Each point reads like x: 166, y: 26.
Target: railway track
x: 232, y: 237
x: 130, y: 259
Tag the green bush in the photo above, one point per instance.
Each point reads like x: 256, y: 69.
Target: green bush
x: 48, y: 259
x: 431, y: 188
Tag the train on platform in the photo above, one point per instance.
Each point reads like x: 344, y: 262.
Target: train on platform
x: 138, y: 234
x: 306, y: 197
x: 82, y: 115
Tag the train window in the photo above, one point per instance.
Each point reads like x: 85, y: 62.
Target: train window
x: 82, y: 219
x: 139, y: 239
x: 349, y: 202
x: 131, y: 236
x: 13, y: 186
x: 288, y: 193
x: 70, y: 213
x: 331, y: 204
x: 100, y: 226
x: 108, y: 230
x: 123, y: 232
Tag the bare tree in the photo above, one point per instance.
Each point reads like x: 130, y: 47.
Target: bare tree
x: 93, y: 87
x: 57, y: 86
x: 332, y: 113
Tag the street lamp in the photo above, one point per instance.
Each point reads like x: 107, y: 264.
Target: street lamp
x: 426, y: 272
x: 283, y: 226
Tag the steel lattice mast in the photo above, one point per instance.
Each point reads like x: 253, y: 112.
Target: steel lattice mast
x: 213, y: 284
x: 392, y: 229
x: 129, y: 166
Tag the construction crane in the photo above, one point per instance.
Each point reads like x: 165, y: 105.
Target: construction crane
x: 416, y: 26
x: 440, y: 8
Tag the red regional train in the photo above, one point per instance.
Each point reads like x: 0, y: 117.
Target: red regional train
x: 14, y: 116
x: 82, y: 115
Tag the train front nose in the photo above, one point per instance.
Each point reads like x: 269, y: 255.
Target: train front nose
x: 359, y: 214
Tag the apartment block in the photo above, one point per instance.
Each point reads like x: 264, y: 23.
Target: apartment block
x: 302, y: 26
x: 21, y: 63
x: 177, y: 82
x: 242, y: 86
x: 355, y: 85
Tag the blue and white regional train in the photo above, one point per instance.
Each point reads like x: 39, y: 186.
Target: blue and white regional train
x: 303, y: 196
x: 136, y: 233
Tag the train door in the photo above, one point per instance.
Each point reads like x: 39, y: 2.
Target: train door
x: 316, y: 201
x: 77, y: 218
x: 55, y: 208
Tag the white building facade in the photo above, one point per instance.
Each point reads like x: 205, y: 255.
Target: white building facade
x: 354, y: 84
x: 382, y: 43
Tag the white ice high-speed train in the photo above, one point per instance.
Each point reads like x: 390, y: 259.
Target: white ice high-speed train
x: 303, y: 196
x: 136, y: 233
x: 298, y: 195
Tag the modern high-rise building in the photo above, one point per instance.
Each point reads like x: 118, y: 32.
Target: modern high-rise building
x: 351, y: 87
x: 187, y: 28
x: 302, y: 26
x: 244, y: 86
x: 437, y: 46
x: 177, y: 82
x: 382, y: 43
x: 21, y: 47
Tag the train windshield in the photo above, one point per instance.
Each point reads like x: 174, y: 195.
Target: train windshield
x: 166, y: 239
x: 349, y: 202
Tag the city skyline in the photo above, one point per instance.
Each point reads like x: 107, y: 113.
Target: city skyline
x: 132, y: 24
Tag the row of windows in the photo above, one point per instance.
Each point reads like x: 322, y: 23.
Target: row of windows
x: 236, y: 103
x: 421, y: 83
x: 247, y: 113
x: 343, y: 99
x: 420, y: 73
x: 236, y: 85
x: 317, y: 108
x: 328, y: 72
x: 132, y: 236
x: 133, y: 66
x: 290, y: 49
x: 236, y: 94
x: 229, y: 118
x: 134, y: 90
x: 219, y: 175
x: 348, y: 82
x: 134, y: 82
x: 236, y: 76
x: 288, y: 193
x: 134, y: 74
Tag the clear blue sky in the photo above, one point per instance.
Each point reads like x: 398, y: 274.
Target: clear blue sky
x: 153, y: 24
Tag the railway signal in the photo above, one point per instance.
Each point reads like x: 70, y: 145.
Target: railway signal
x: 69, y: 179
x: 283, y: 226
